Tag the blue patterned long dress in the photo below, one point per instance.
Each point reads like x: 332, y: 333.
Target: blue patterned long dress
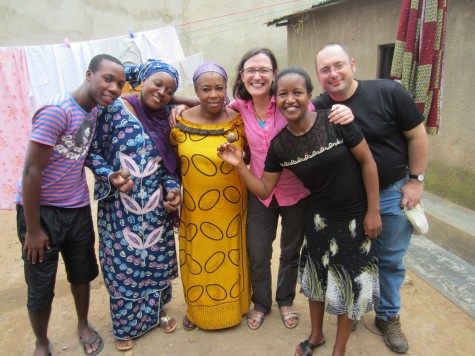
x: 136, y: 238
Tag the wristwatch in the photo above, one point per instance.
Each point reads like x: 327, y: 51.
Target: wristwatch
x: 419, y: 177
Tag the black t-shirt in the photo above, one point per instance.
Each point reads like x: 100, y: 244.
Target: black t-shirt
x: 322, y: 160
x: 384, y: 110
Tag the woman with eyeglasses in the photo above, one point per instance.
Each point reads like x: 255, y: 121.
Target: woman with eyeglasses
x: 338, y: 267
x: 254, y: 99
x: 252, y: 90
x: 253, y: 94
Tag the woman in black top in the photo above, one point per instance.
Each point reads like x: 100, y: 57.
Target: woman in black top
x: 338, y: 269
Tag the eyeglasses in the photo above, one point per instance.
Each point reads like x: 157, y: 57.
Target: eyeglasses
x: 263, y: 72
x: 337, y: 67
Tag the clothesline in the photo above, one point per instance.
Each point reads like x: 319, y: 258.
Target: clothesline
x: 29, y: 75
x: 61, y: 67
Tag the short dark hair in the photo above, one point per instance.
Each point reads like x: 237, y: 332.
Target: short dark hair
x: 97, y: 60
x: 239, y: 89
x: 294, y: 70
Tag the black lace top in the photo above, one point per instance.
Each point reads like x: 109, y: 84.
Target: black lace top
x: 322, y: 159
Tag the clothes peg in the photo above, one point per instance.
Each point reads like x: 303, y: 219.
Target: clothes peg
x: 131, y: 34
x: 68, y: 44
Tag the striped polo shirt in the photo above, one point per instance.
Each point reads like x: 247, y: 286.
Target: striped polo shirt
x: 65, y: 126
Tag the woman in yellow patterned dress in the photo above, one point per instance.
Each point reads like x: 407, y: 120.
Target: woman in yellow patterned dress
x: 212, y: 239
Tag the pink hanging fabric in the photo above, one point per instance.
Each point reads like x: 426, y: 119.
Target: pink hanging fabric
x: 419, y: 53
x: 15, y: 116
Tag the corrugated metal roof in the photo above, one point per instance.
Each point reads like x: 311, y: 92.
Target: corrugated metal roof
x: 284, y: 20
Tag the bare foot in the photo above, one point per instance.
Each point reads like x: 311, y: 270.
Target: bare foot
x: 42, y: 349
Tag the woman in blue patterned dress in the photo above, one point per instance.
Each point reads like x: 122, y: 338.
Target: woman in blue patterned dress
x: 136, y: 228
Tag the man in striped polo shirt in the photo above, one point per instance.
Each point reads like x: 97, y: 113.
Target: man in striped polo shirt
x: 53, y: 208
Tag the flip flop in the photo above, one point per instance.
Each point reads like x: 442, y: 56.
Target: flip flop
x: 289, y: 315
x: 126, y: 347
x: 188, y: 325
x: 165, y: 321
x: 91, y: 342
x: 309, y: 347
x: 253, y: 316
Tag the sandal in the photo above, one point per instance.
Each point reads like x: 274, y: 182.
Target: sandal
x: 188, y: 325
x: 165, y: 324
x: 254, y: 316
x: 308, y: 347
x: 290, y: 314
x: 91, y: 342
x: 128, y: 345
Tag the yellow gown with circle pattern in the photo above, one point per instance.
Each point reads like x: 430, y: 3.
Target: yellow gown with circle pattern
x: 212, y: 239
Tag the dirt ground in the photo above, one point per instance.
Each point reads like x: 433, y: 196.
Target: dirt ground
x: 432, y: 323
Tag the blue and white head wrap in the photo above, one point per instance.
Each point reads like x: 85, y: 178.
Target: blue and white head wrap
x: 135, y: 75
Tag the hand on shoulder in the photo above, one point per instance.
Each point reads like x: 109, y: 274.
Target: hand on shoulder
x: 174, y: 113
x: 231, y: 113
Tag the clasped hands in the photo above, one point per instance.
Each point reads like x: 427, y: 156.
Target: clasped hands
x: 119, y: 182
x: 173, y: 200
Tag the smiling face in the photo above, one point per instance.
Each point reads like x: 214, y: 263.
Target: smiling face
x: 157, y: 90
x: 258, y: 83
x: 335, y: 71
x: 210, y: 87
x: 106, y: 83
x: 292, y: 96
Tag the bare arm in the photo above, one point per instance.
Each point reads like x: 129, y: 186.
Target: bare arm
x: 372, y: 221
x: 182, y: 103
x: 418, y: 147
x: 262, y: 187
x: 35, y: 239
x: 189, y: 101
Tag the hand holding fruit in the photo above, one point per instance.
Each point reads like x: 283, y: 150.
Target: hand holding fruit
x: 121, y: 180
x: 231, y: 137
x: 125, y: 173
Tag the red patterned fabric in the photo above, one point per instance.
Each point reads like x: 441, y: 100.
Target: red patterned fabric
x: 419, y: 53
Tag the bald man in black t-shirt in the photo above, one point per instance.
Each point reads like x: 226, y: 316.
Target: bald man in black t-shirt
x: 395, y: 132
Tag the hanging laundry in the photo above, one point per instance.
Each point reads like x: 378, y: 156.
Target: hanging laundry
x: 59, y: 68
x: 189, y: 65
x: 16, y: 110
